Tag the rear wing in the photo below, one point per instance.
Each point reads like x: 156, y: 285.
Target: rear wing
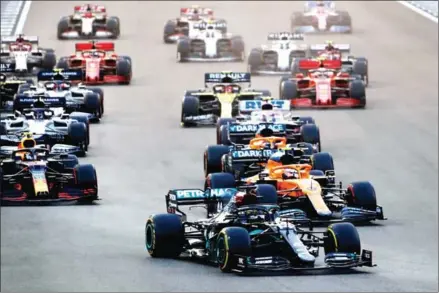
x: 70, y: 75
x: 188, y: 11
x: 205, y: 25
x: 23, y: 101
x: 343, y: 48
x: 104, y: 46
x: 7, y: 67
x: 13, y: 39
x: 315, y: 64
x: 227, y: 77
x: 236, y: 129
x: 285, y: 36
x: 253, y: 105
x: 184, y: 197
x: 249, y: 156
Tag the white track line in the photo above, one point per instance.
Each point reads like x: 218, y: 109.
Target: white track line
x: 23, y: 17
x: 419, y: 11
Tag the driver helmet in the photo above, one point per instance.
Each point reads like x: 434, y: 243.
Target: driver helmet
x: 50, y: 86
x: 27, y: 142
x: 274, y: 160
x: 290, y: 174
x: 329, y: 46
x: 64, y: 86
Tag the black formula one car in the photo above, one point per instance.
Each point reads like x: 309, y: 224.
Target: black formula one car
x: 32, y: 175
x: 250, y: 234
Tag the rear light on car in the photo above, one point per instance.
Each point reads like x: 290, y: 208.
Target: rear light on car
x: 18, y: 186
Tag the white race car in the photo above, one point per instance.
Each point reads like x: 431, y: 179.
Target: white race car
x: 276, y: 57
x: 88, y: 21
x: 321, y: 17
x: 61, y: 93
x: 21, y: 55
x: 187, y: 23
x: 210, y: 44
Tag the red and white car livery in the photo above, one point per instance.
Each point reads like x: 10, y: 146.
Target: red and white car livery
x: 186, y: 23
x: 21, y: 54
x: 324, y: 86
x: 99, y: 63
x: 89, y: 21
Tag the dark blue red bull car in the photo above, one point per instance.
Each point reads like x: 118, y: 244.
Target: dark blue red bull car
x: 32, y: 175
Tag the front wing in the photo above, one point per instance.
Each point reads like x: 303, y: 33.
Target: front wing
x: 76, y: 35
x: 309, y: 29
x: 207, y: 119
x: 306, y: 103
x: 212, y: 59
x: 333, y: 261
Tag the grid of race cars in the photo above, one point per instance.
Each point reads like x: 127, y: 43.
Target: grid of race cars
x: 268, y: 181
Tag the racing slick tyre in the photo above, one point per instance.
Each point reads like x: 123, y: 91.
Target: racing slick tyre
x: 307, y: 120
x: 164, y: 235
x: 224, y: 136
x: 361, y: 194
x: 342, y: 238
x: 123, y: 68
x: 222, y: 25
x: 62, y: 63
x: 23, y: 88
x: 219, y: 180
x: 357, y: 91
x: 3, y: 130
x: 344, y: 19
x: 49, y: 61
x: 86, y: 178
x: 212, y: 158
x: 77, y: 133
x: 92, y: 104
x: 238, y: 47
x: 67, y: 161
x: 113, y: 25
x: 311, y: 134
x: 322, y: 162
x: 295, y: 68
x: 63, y: 26
x: 231, y: 242
x: 288, y: 90
x: 360, y: 68
x: 190, y: 107
x: 297, y: 20
x: 255, y: 60
x: 169, y: 30
x: 86, y: 121
x: 266, y: 193
x: 1, y: 182
x: 282, y: 80
x: 183, y: 49
x: 99, y: 92
x: 220, y: 122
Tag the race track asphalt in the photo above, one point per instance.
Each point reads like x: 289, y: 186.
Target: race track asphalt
x: 140, y: 152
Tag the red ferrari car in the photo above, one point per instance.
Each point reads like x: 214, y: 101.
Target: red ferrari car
x: 99, y: 63
x: 323, y: 86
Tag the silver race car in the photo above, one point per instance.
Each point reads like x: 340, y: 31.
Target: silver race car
x: 21, y: 55
x: 63, y: 133
x: 276, y: 57
x: 210, y: 44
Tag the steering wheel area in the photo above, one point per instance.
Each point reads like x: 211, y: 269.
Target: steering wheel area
x: 302, y: 170
x: 273, y: 141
